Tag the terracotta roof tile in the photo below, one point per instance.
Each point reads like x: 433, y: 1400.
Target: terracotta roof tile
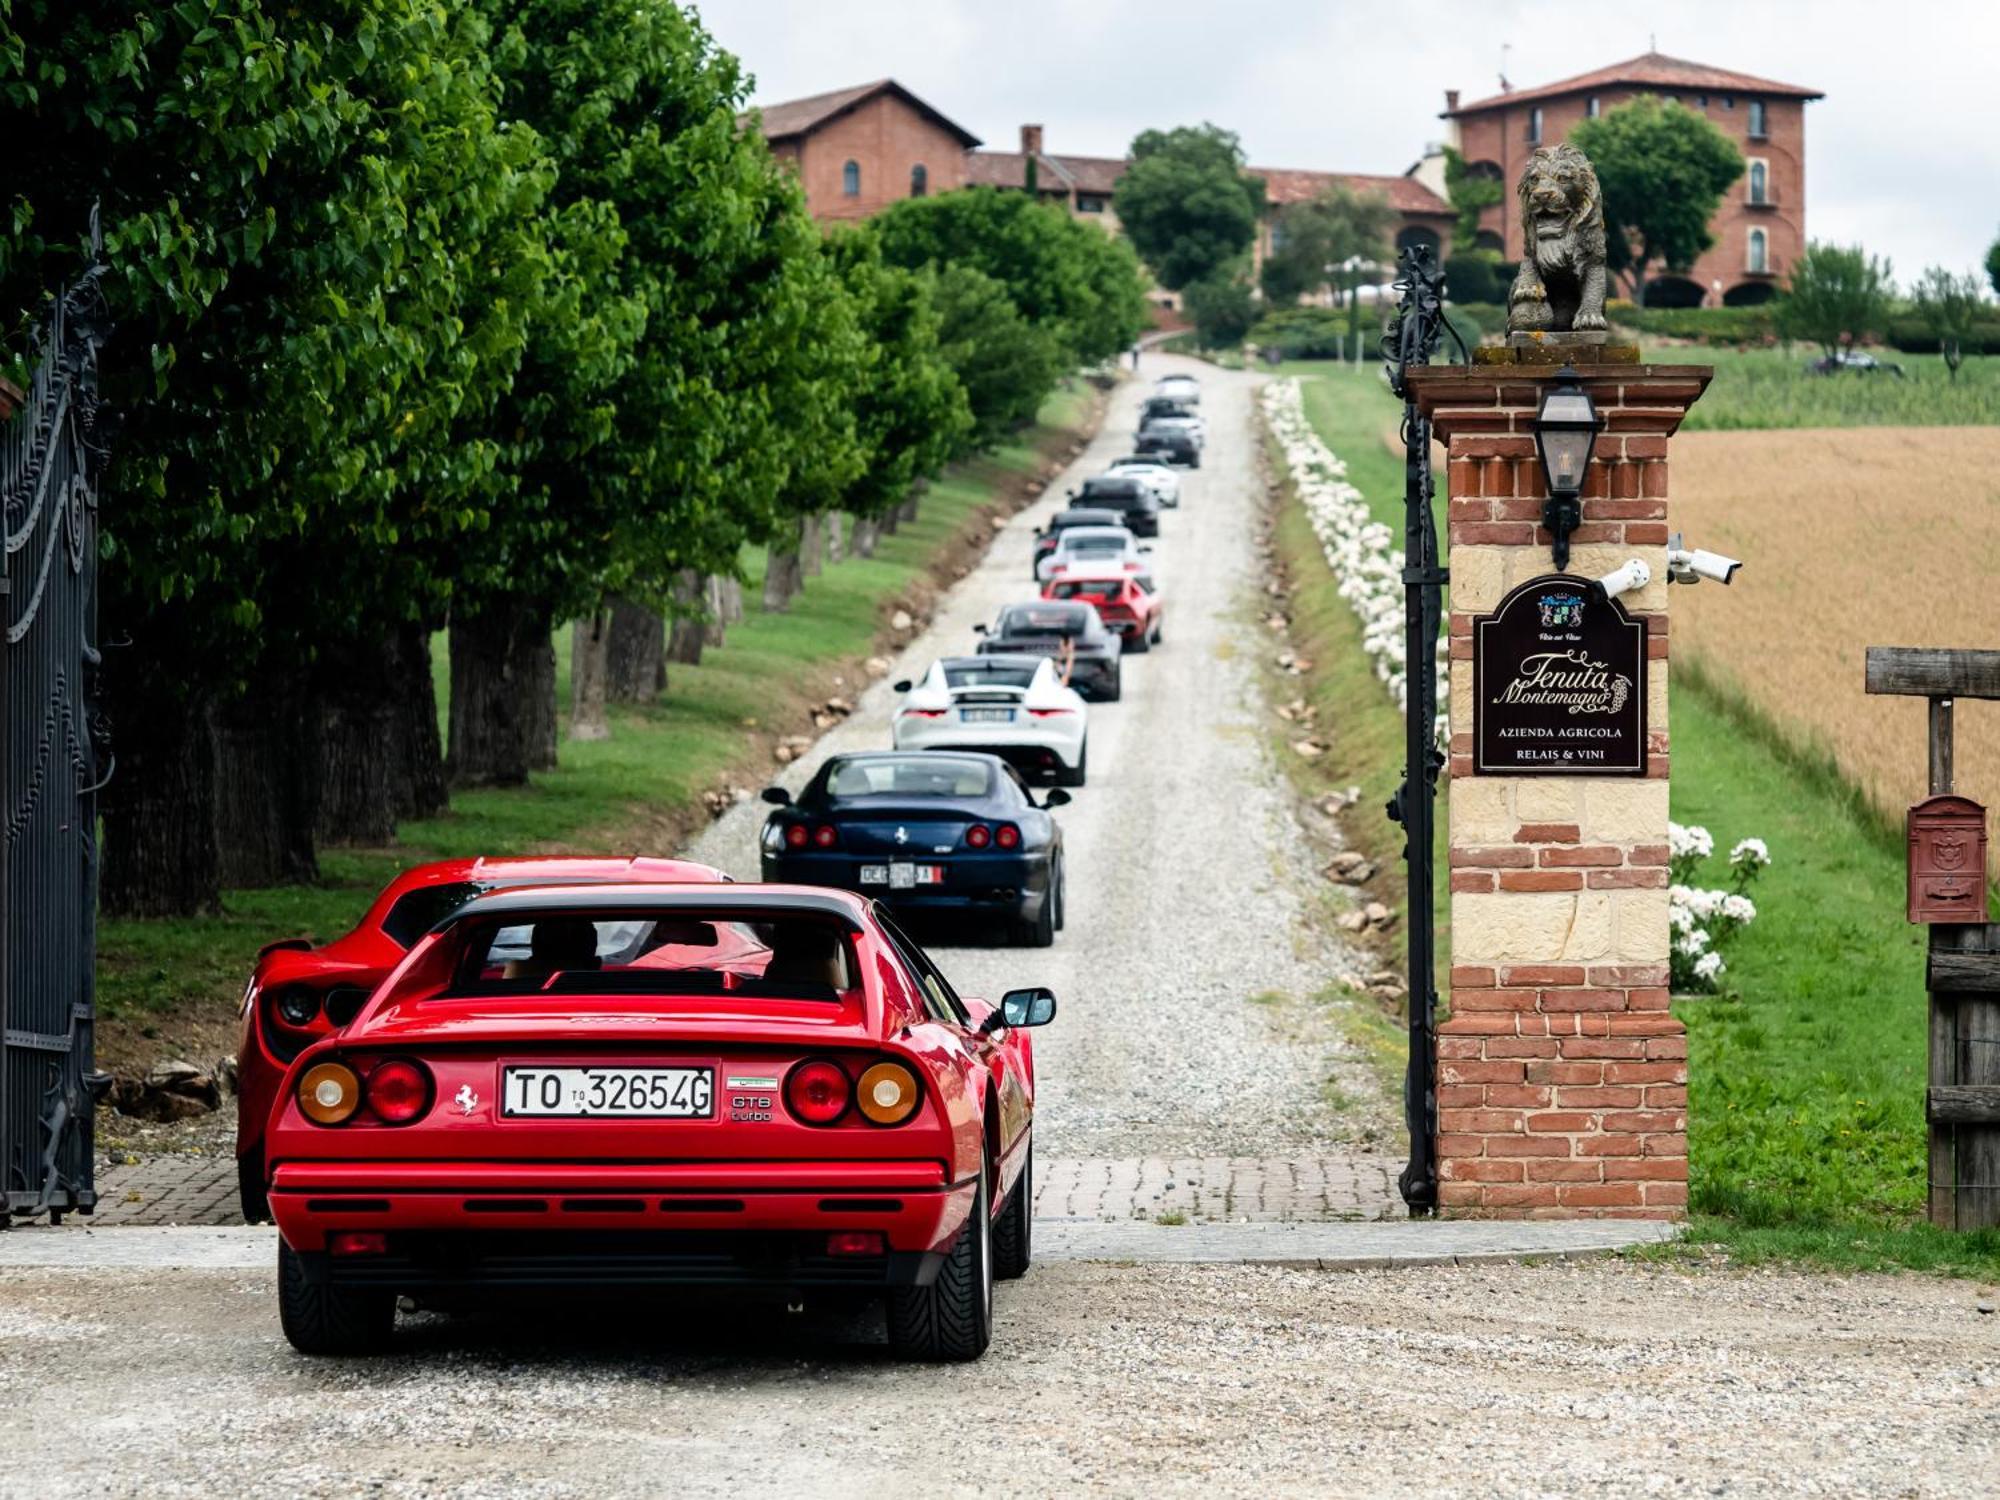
x: 1405, y: 194
x: 1083, y: 174
x: 1649, y: 68
x: 793, y: 117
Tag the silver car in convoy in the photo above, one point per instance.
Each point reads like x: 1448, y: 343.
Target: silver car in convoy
x: 1163, y: 481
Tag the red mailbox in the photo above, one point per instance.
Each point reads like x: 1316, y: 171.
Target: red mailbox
x: 1947, y: 860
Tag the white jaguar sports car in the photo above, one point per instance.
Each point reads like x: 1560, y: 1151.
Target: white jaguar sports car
x: 1015, y: 707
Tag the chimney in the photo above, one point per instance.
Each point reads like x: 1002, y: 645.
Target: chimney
x: 1031, y: 140
x: 1450, y: 100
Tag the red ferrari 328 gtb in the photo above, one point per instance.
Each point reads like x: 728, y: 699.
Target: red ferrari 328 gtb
x: 623, y: 1086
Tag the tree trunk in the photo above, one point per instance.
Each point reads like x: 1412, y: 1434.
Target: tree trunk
x: 715, y: 596
x: 635, y: 655
x: 266, y: 783
x: 689, y: 631
x: 834, y: 519
x: 503, y: 690
x: 589, y: 644
x: 160, y: 857
x: 909, y: 506
x: 812, y: 546
x: 418, y: 788
x: 355, y: 746
x: 782, y: 576
x: 863, y: 541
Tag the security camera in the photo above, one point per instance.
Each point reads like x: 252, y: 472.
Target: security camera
x: 1692, y: 564
x: 1633, y: 575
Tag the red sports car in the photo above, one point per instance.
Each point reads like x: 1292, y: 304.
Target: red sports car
x: 1126, y: 603
x: 627, y: 1086
x: 299, y: 994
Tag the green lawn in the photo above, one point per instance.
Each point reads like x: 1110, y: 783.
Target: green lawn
x: 1770, y: 388
x: 628, y: 793
x: 1806, y: 1080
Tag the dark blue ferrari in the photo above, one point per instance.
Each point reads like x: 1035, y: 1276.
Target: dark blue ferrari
x: 928, y: 833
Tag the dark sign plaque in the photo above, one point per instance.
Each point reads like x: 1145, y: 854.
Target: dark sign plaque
x: 1558, y: 683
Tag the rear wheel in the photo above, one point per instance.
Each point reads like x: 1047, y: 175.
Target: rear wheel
x: 1077, y: 776
x: 1159, y: 626
x: 1117, y: 689
x: 1014, y: 1233
x: 254, y: 1201
x: 952, y: 1318
x: 330, y: 1320
x: 1062, y: 895
x: 1041, y: 932
x: 1137, y: 645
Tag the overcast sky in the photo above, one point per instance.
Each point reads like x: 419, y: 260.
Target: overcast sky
x: 1903, y: 154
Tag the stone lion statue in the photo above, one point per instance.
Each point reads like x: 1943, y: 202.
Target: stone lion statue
x: 1560, y: 286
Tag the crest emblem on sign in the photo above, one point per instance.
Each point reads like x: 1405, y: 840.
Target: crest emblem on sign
x: 465, y: 1099
x: 1948, y: 849
x: 1561, y: 611
x: 902, y: 834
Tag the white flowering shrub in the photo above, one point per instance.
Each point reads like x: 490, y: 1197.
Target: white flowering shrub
x: 1369, y: 570
x: 1703, y: 919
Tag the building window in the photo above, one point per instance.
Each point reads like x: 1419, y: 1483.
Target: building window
x: 1595, y: 107
x: 1701, y: 101
x: 1277, y: 238
x: 1729, y: 101
x: 1090, y: 203
x: 1757, y: 121
x: 850, y: 179
x: 1758, y: 262
x: 920, y: 181
x: 1760, y: 182
x: 1535, y: 126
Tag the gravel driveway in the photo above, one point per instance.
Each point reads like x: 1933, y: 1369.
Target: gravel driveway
x: 1185, y: 969
x: 1584, y: 1380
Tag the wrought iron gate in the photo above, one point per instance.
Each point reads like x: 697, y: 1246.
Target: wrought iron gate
x: 49, y: 771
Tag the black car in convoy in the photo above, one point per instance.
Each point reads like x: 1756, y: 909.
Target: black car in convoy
x: 1163, y: 406
x: 1138, y: 509
x: 1071, y: 632
x: 1061, y: 521
x: 939, y: 833
x: 1169, y: 445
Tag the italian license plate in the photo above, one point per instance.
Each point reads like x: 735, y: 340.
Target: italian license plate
x: 987, y: 715
x: 901, y: 875
x: 628, y: 1093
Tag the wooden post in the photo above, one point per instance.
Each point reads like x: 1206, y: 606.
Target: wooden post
x: 1962, y: 973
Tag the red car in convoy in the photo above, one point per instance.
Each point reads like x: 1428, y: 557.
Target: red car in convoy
x: 1124, y: 601
x: 299, y: 994
x: 612, y: 1087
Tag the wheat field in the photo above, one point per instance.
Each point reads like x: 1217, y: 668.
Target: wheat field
x: 1851, y: 537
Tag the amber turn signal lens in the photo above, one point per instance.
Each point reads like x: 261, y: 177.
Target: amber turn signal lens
x: 887, y: 1094
x: 330, y: 1093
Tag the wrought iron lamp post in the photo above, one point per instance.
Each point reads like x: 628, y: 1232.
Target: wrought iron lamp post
x: 1566, y: 429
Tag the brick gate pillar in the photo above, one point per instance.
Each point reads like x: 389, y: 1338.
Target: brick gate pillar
x: 1562, y: 1076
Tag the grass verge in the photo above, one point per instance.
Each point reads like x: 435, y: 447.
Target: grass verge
x: 170, y: 987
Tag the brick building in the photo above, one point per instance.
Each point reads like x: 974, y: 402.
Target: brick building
x: 1760, y: 229
x: 857, y: 150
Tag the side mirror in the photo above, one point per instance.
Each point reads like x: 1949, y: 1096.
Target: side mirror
x: 1056, y: 797
x: 902, y: 686
x: 1031, y: 1007
x: 777, y: 796
x: 979, y: 629
x: 1145, y: 546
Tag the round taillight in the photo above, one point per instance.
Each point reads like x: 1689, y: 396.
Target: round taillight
x: 978, y: 836
x: 796, y: 836
x: 399, y: 1091
x: 817, y: 1092
x: 329, y: 1093
x: 1007, y: 836
x: 825, y: 837
x: 297, y: 1006
x: 887, y: 1094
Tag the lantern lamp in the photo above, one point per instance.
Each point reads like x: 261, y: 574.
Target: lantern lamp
x: 1566, y: 430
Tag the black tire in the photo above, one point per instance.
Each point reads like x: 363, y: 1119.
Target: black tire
x: 1078, y: 776
x: 251, y: 1197
x: 1138, y: 645
x: 1062, y: 895
x: 1117, y: 688
x: 1159, y: 630
x: 1041, y: 932
x: 331, y: 1320
x: 1013, y: 1232
x: 951, y: 1320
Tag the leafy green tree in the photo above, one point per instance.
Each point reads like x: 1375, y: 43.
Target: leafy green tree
x: 1663, y: 169
x: 1993, y: 265
x: 320, y: 239
x: 1312, y: 241
x: 1005, y: 363
x: 1186, y: 202
x: 1470, y: 194
x: 1835, y: 295
x: 1069, y: 279
x: 1950, y: 307
x: 1222, y: 309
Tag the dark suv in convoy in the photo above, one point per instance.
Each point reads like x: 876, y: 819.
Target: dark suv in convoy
x: 1169, y: 445
x: 1137, y: 509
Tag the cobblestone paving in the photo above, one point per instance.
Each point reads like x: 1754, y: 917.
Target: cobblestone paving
x: 189, y: 1189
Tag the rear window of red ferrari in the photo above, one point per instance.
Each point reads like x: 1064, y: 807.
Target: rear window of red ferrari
x: 682, y: 953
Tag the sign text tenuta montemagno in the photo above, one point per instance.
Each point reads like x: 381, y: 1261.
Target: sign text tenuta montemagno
x: 1558, y: 683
